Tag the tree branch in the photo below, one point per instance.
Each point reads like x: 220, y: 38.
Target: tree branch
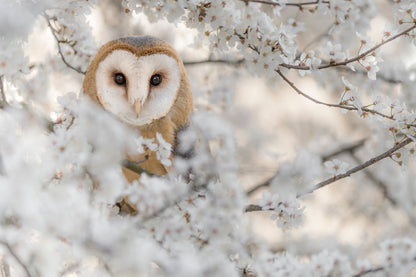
x: 346, y: 149
x: 3, y: 102
x: 133, y: 166
x: 362, y: 55
x: 351, y: 108
x: 368, y: 271
x: 326, y: 157
x: 383, y: 187
x: 388, y: 153
x: 58, y: 43
x: 380, y: 157
x: 298, y: 5
x: 261, y: 185
x: 17, y: 259
x: 220, y: 61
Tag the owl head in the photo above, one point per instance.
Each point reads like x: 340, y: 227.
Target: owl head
x: 142, y: 81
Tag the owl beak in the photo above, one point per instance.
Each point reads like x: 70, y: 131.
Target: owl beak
x: 137, y: 107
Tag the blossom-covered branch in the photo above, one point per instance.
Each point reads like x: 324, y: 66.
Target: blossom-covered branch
x: 388, y: 153
x: 357, y: 58
x: 351, y: 108
x: 58, y: 43
x: 360, y: 167
x: 300, y: 5
x: 212, y: 61
x: 346, y: 149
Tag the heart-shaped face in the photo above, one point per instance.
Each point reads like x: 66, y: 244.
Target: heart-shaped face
x: 140, y: 80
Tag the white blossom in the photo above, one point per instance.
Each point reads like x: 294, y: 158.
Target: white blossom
x: 335, y: 167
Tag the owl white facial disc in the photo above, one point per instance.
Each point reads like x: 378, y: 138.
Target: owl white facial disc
x: 137, y: 89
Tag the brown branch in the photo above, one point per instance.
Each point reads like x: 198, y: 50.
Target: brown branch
x: 346, y: 149
x: 360, y: 167
x: 375, y: 269
x: 253, y: 208
x: 362, y: 55
x: 375, y: 180
x: 298, y: 5
x: 261, y: 185
x: 3, y: 102
x: 58, y: 43
x: 17, y: 259
x: 220, y: 61
x: 368, y: 271
x: 351, y: 108
x: 380, y: 76
x: 349, y: 148
x: 133, y: 166
x: 388, y: 153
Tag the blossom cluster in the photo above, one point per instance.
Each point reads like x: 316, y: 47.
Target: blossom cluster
x: 61, y: 179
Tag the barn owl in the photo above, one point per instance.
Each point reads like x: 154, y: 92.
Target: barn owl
x: 143, y: 82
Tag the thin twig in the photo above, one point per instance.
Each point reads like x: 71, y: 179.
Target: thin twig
x: 298, y: 5
x: 362, y: 55
x: 133, y: 166
x: 346, y: 149
x: 14, y: 255
x: 351, y: 108
x: 375, y: 180
x: 360, y: 167
x: 388, y: 153
x: 58, y: 43
x: 261, y: 185
x: 368, y: 271
x: 380, y: 76
x: 220, y: 61
x: 3, y: 102
x: 326, y: 157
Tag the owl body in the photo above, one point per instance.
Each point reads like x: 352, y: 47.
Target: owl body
x: 142, y: 81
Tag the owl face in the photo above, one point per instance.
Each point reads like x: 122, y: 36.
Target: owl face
x: 138, y: 79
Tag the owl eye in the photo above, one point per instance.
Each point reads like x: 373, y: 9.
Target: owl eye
x: 120, y: 79
x: 156, y: 79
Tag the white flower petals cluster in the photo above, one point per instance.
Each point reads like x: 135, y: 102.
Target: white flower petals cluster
x: 308, y: 60
x: 325, y: 263
x: 334, y: 52
x: 287, y: 212
x: 229, y: 24
x: 152, y: 194
x: 350, y: 96
x: 162, y: 148
x: 352, y: 14
x: 335, y: 167
x: 144, y: 145
x: 398, y: 255
x: 69, y: 19
x: 405, y: 11
x: 164, y: 151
